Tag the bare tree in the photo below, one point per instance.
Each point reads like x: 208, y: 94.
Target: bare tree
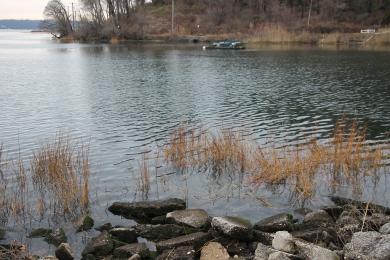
x: 58, y: 19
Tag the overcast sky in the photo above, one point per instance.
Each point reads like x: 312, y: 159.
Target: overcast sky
x: 24, y: 9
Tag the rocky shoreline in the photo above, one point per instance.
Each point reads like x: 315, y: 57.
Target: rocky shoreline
x: 166, y: 229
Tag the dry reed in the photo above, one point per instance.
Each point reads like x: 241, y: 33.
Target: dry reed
x: 345, y: 159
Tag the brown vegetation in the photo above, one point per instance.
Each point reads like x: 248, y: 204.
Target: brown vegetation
x: 346, y: 159
x: 56, y: 182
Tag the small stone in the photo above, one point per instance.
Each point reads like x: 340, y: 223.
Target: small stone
x: 195, y: 218
x: 385, y: 229
x: 127, y: 235
x: 283, y: 241
x: 39, y: 232
x: 64, y: 252
x: 101, y: 245
x: 319, y: 217
x: 196, y: 240
x: 280, y: 222
x: 214, y: 251
x: 129, y: 250
x: 278, y: 256
x: 87, y: 224
x: 233, y: 227
x: 56, y: 237
x: 106, y: 226
x: 263, y: 252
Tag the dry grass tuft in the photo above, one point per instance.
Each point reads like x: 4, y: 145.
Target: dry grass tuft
x: 345, y: 159
x: 62, y: 170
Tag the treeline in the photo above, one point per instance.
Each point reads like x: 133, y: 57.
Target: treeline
x: 136, y: 19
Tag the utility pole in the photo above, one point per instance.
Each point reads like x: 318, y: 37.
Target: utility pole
x: 73, y: 16
x: 309, y: 16
x: 173, y: 17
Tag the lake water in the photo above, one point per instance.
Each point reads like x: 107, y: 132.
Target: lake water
x: 126, y: 99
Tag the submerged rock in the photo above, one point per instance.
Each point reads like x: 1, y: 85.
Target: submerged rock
x: 195, y: 218
x: 64, y: 252
x: 214, y: 251
x: 87, y: 224
x: 101, y: 245
x: 233, y: 227
x: 127, y: 251
x: 283, y: 241
x: 161, y: 232
x: 371, y: 207
x: 56, y: 237
x: 146, y: 210
x: 368, y: 245
x: 197, y: 240
x: 105, y: 226
x: 275, y: 223
x: 178, y: 253
x: 39, y: 232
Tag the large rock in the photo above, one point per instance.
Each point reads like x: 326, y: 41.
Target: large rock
x: 275, y: 223
x: 127, y: 251
x: 64, y: 252
x: 196, y: 240
x: 56, y: 237
x: 195, y: 218
x: 319, y: 217
x: 161, y: 232
x: 371, y: 207
x: 370, y: 245
x: 101, y: 245
x: 233, y: 227
x: 385, y: 229
x: 178, y: 253
x: 146, y: 210
x: 126, y: 235
x: 214, y: 251
x: 283, y: 241
x: 311, y: 251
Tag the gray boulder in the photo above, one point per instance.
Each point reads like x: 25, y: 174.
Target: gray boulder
x: 233, y: 227
x: 371, y: 244
x: 195, y: 218
x: 161, y: 232
x: 101, y: 245
x: 275, y: 223
x: 385, y: 229
x: 144, y: 211
x: 196, y: 240
x: 126, y: 235
x: 127, y: 251
x: 263, y: 252
x: 64, y: 252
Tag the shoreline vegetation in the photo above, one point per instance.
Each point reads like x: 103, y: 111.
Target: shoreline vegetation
x: 254, y: 22
x: 55, y: 185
